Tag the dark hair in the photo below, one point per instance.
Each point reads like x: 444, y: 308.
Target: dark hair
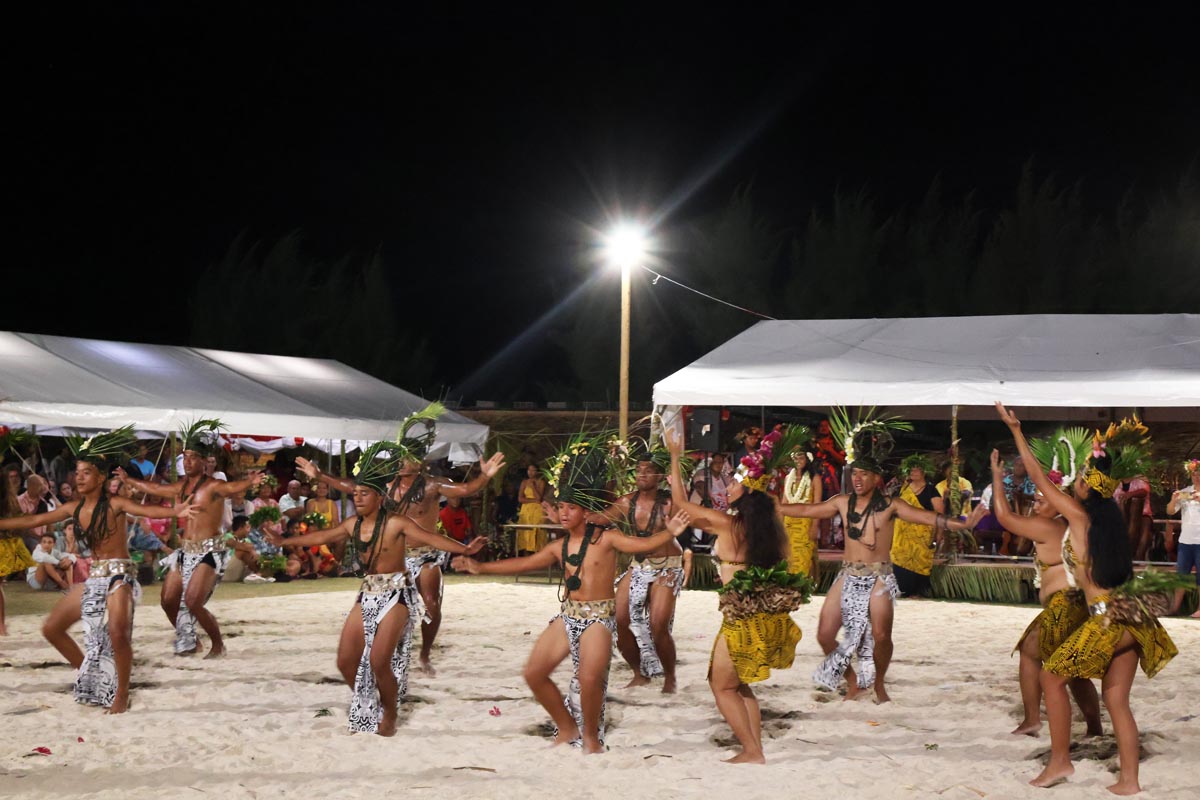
x: 759, y: 525
x: 810, y: 466
x: 239, y: 521
x: 1109, y: 551
x: 49, y: 534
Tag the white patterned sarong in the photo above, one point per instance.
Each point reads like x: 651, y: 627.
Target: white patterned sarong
x: 186, y: 559
x: 858, y: 580
x: 577, y: 616
x: 96, y: 681
x: 668, y: 571
x: 379, y: 594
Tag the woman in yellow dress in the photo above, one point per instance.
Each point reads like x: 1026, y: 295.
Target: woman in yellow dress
x: 912, y: 544
x: 14, y: 555
x: 802, y: 485
x: 533, y: 489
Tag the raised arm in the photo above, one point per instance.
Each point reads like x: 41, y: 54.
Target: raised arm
x: 1038, y: 529
x: 414, y: 531
x: 314, y: 473
x: 707, y: 518
x: 163, y: 490
x: 27, y: 521
x: 543, y: 559
x: 1063, y: 503
x: 630, y: 544
x: 487, y: 471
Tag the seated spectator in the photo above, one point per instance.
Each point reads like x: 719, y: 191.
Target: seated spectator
x: 245, y: 565
x: 36, y: 500
x: 291, y: 505
x: 66, y: 492
x: 299, y: 565
x: 54, y: 568
x: 456, y: 521
x: 71, y: 546
x: 142, y: 464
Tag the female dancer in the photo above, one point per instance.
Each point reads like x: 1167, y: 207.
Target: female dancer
x: 1063, y: 608
x: 1096, y: 554
x: 749, y: 535
x: 802, y: 485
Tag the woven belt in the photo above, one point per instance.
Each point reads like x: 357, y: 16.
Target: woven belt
x: 589, y: 609
x: 862, y: 570
x: 665, y: 562
x: 200, y: 547
x: 112, y: 567
x: 420, y: 551
x: 382, y: 582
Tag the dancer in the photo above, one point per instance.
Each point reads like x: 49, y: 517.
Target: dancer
x: 1120, y: 629
x: 862, y: 596
x: 14, y: 553
x: 373, y: 652
x: 581, y: 476
x: 198, y: 565
x: 1063, y: 608
x: 647, y: 590
x: 802, y: 485
x: 757, y: 634
x: 414, y: 492
x: 912, y: 543
x: 105, y: 601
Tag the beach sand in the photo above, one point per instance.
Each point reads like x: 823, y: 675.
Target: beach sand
x: 252, y: 725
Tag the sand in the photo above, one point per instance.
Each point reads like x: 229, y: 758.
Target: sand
x: 254, y: 724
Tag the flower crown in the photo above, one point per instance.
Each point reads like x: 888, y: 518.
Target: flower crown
x: 1191, y: 465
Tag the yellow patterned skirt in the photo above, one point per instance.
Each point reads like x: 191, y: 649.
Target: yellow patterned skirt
x: 1065, y: 611
x: 800, y: 556
x: 912, y: 547
x: 759, y: 643
x: 1088, y: 651
x: 14, y: 555
x: 531, y: 539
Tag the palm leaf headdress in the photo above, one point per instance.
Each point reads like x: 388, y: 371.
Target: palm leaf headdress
x: 12, y: 438
x: 202, y: 436
x: 376, y: 466
x: 584, y: 472
x: 103, y: 450
x: 417, y: 433
x: 1064, y: 455
x: 867, y: 439
x: 1128, y: 448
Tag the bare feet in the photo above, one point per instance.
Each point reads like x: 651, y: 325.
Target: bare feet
x: 426, y: 667
x: 881, y: 695
x: 119, y: 705
x: 1027, y: 728
x: 747, y: 758
x: 852, y: 691
x: 387, y: 725
x: 566, y: 736
x: 1094, y: 729
x: 1053, y: 775
x: 669, y: 685
x: 1125, y: 787
x: 1196, y: 615
x: 3, y: 629
x: 638, y: 680
x: 592, y: 746
x: 217, y: 652
x: 195, y: 651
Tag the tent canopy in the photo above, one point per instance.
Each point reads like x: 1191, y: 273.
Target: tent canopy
x: 54, y: 381
x: 1042, y: 360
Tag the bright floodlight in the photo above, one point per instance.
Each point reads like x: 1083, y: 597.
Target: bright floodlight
x: 625, y: 246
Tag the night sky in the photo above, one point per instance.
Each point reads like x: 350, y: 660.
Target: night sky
x: 478, y: 151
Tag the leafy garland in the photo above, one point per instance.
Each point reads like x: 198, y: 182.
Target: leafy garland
x: 12, y: 438
x: 315, y: 520
x: 1145, y: 596
x: 265, y: 514
x: 764, y: 590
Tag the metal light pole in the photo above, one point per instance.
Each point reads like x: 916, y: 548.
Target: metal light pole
x: 625, y: 248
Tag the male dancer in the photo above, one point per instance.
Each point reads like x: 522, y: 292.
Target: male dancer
x: 199, y: 563
x: 414, y: 493
x: 373, y: 651
x: 106, y: 599
x: 588, y: 558
x: 646, y: 592
x: 862, y: 597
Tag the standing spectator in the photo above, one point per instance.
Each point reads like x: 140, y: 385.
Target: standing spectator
x: 709, y: 484
x: 964, y: 487
x: 291, y: 505
x: 456, y: 521
x: 57, y: 468
x: 144, y: 465
x: 506, y: 505
x: 830, y: 461
x: 210, y: 469
x: 1186, y: 503
x: 14, y: 555
x: 749, y: 438
x: 533, y: 490
x: 1133, y: 498
x: 54, y: 568
x: 66, y: 492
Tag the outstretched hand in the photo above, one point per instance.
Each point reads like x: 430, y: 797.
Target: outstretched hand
x: 976, y: 515
x: 550, y: 510
x: 476, y: 544
x: 997, y: 464
x: 256, y: 478
x: 492, y: 465
x: 185, y: 509
x: 465, y: 564
x: 120, y: 473
x: 679, y: 523
x: 307, y: 467
x: 673, y: 440
x: 1008, y: 417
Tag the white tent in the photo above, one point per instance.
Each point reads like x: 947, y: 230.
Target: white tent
x: 1057, y: 361
x: 54, y: 382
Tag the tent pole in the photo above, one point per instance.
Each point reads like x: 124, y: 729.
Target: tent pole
x: 174, y: 538
x: 342, y: 502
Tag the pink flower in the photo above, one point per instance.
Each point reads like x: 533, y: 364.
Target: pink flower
x: 772, y: 437
x: 1055, y: 477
